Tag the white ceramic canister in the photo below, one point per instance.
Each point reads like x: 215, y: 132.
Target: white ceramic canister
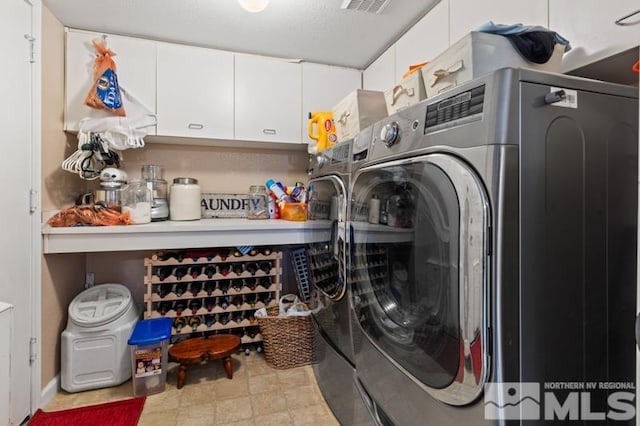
x: 184, y: 199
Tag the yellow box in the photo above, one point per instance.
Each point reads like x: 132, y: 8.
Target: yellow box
x: 293, y: 211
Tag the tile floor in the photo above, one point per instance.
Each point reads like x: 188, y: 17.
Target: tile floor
x: 257, y: 395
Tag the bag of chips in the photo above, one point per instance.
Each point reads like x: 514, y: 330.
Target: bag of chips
x: 105, y: 91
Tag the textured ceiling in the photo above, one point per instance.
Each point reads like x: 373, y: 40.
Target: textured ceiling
x: 311, y: 30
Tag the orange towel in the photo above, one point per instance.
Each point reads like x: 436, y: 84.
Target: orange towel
x: 413, y: 68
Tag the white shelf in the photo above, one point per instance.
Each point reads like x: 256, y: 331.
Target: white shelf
x: 374, y: 233
x: 180, y: 235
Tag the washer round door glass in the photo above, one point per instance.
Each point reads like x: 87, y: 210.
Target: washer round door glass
x: 418, y: 274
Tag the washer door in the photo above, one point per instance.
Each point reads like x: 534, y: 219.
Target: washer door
x: 326, y: 259
x: 419, y: 275
x: 327, y: 264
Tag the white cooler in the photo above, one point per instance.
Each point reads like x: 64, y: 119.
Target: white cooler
x: 94, y: 349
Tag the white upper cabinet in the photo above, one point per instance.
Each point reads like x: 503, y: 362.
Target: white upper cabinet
x: 381, y: 74
x: 136, y: 70
x: 467, y: 15
x: 209, y: 94
x: 195, y: 92
x: 424, y: 41
x: 323, y: 86
x: 591, y: 30
x: 268, y: 99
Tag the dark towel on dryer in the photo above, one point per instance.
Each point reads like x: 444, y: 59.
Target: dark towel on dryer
x: 504, y: 30
x: 535, y: 46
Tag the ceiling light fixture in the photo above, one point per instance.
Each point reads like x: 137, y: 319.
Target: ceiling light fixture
x: 253, y: 5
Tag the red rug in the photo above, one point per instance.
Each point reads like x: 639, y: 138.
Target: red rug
x: 117, y: 413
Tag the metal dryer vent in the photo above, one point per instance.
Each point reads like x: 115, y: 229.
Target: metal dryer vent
x: 370, y: 6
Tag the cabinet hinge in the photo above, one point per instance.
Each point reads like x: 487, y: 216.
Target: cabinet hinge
x: 33, y: 200
x: 32, y: 47
x: 33, y: 350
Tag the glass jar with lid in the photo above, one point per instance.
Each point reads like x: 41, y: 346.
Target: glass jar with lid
x: 137, y: 201
x: 258, y: 208
x: 184, y: 199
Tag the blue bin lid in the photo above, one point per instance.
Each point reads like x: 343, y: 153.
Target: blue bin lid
x: 151, y: 331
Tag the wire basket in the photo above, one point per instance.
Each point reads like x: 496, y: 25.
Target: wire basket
x: 287, y: 340
x: 299, y: 262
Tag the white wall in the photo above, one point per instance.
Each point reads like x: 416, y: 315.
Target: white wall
x: 589, y: 25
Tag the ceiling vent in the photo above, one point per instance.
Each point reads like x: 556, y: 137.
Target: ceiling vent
x: 369, y: 6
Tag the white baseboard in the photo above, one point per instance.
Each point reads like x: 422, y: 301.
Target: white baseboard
x: 50, y: 391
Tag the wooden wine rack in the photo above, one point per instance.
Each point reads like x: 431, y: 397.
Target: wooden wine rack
x: 370, y: 269
x: 217, y: 275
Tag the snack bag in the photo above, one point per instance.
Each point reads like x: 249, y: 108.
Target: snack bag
x: 105, y: 92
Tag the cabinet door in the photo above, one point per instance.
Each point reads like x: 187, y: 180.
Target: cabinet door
x: 381, y: 74
x: 425, y: 40
x: 19, y: 125
x: 195, y: 92
x: 323, y: 86
x: 136, y: 69
x: 268, y: 99
x: 592, y: 31
x: 467, y: 15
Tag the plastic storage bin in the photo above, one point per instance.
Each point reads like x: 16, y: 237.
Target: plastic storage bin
x: 150, y: 355
x: 356, y: 111
x: 408, y: 92
x: 477, y: 54
x: 94, y: 352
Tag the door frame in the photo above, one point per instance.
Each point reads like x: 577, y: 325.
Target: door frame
x: 638, y: 286
x: 35, y: 278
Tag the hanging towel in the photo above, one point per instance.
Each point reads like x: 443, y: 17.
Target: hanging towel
x: 535, y: 46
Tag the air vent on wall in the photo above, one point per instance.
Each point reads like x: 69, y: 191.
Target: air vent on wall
x: 370, y: 6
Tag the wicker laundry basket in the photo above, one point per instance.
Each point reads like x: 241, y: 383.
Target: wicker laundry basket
x: 288, y: 340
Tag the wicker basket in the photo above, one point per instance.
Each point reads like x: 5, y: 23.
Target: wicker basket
x: 287, y: 340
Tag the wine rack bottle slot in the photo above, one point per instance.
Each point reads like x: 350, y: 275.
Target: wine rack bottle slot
x: 213, y: 290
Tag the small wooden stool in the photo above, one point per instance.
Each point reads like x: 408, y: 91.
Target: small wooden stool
x: 194, y: 351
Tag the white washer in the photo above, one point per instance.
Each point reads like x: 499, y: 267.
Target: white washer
x: 94, y: 349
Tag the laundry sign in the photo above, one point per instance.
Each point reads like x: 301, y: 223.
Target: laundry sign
x: 224, y: 205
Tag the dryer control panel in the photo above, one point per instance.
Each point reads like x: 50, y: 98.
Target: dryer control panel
x: 461, y: 108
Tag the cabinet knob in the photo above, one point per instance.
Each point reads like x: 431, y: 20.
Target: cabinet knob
x: 269, y: 131
x: 195, y: 126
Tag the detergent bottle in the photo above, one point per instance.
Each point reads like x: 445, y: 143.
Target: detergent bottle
x: 322, y: 131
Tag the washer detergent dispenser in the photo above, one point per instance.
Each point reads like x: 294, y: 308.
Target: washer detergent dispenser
x: 94, y: 349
